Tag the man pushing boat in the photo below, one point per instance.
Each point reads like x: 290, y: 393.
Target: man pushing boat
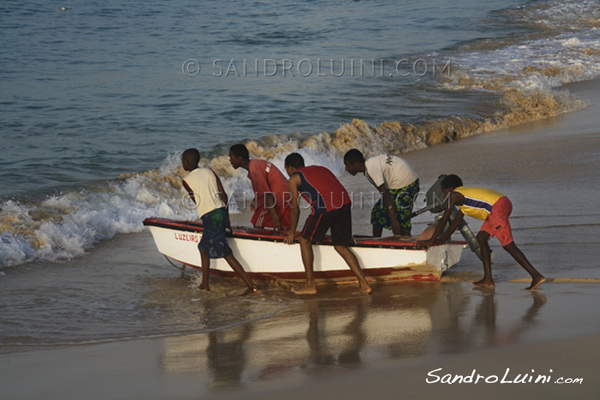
x: 330, y: 208
x: 206, y: 191
x: 398, y: 184
x: 493, y: 208
x: 271, y: 203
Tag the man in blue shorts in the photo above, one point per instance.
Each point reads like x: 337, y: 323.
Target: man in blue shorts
x: 330, y: 204
x: 205, y: 189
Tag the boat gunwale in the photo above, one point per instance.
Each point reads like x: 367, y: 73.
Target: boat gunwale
x: 261, y: 234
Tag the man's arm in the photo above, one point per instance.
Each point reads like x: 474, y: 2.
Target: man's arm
x: 453, y: 226
x: 223, y: 196
x: 376, y: 177
x: 270, y: 205
x: 293, y: 185
x: 388, y: 203
x: 454, y: 199
x: 189, y: 190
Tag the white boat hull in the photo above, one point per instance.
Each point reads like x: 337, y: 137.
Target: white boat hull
x: 263, y: 254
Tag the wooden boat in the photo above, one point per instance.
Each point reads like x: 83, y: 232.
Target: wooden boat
x: 264, y: 255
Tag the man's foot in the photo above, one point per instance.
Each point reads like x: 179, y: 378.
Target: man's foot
x: 365, y: 289
x: 487, y: 283
x: 305, y: 290
x: 251, y: 291
x: 535, y: 282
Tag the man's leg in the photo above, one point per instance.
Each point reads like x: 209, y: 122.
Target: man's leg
x: 239, y: 270
x: 205, y: 263
x: 352, y: 262
x: 486, y: 257
x: 306, y: 251
x: 536, y: 278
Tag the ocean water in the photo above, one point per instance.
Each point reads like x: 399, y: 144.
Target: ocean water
x: 99, y: 99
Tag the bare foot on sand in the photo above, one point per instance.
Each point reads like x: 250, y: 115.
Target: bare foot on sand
x: 250, y: 291
x: 535, y: 282
x: 305, y: 290
x: 484, y: 283
x: 365, y: 289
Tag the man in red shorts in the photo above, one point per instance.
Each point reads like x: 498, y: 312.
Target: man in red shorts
x: 493, y: 208
x: 330, y: 204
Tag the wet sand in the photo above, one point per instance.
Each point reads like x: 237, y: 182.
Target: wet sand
x: 405, y: 340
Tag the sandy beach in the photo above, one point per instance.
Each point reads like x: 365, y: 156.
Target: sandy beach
x: 405, y: 340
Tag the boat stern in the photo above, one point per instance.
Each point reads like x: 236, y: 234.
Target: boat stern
x: 444, y: 256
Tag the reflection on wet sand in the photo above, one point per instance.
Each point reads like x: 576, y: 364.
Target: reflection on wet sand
x: 326, y: 334
x: 349, y: 338
x: 486, y: 317
x: 226, y: 356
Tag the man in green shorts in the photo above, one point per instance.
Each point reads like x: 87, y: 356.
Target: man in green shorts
x: 398, y: 184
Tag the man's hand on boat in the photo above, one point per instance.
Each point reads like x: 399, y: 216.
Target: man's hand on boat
x: 290, y: 237
x: 427, y: 238
x: 279, y: 228
x: 422, y: 244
